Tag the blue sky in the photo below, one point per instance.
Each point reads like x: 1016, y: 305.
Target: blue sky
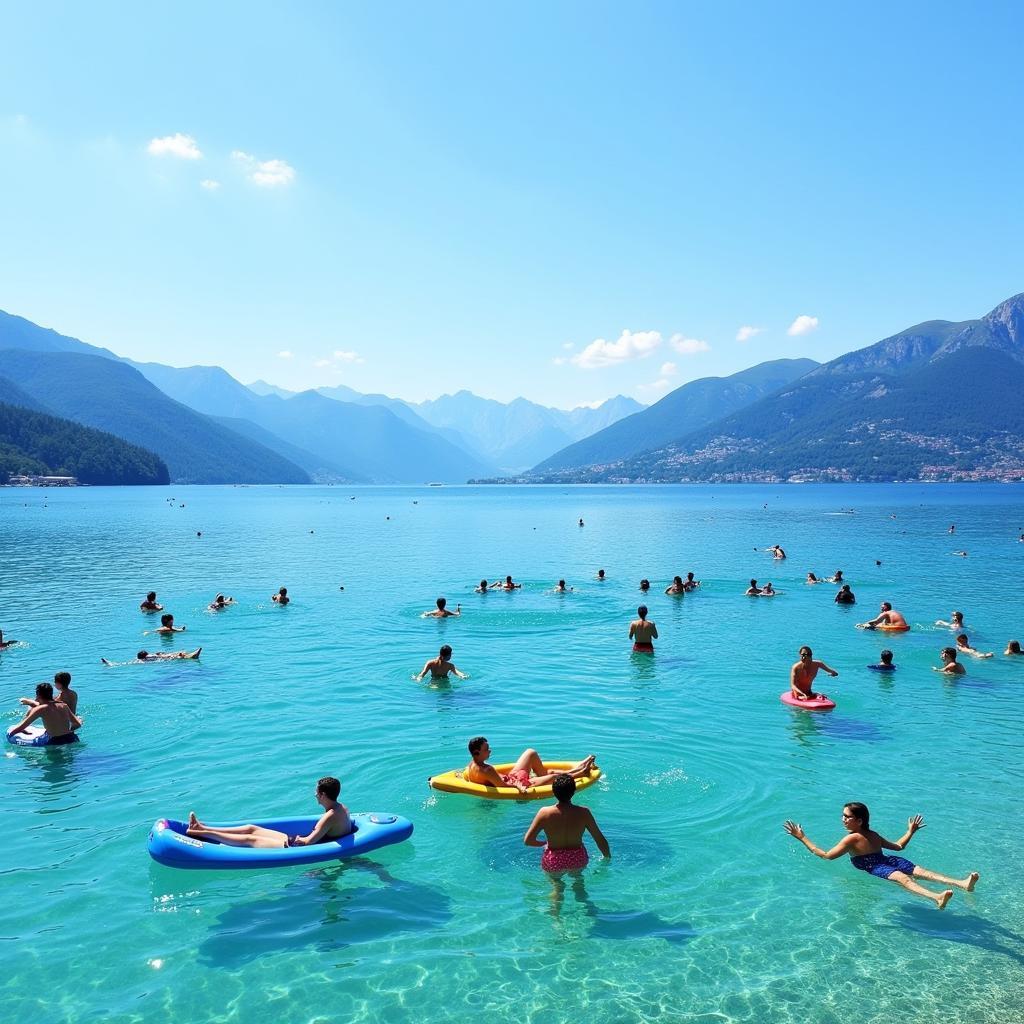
x: 561, y: 201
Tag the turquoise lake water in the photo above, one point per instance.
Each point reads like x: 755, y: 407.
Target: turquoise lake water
x: 706, y: 912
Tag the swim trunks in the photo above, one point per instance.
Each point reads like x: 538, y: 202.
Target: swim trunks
x: 881, y: 865
x: 572, y: 858
x: 882, y: 668
x: 57, y: 741
x: 642, y: 648
x: 517, y: 777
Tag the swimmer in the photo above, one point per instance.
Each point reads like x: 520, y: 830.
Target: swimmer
x: 600, y: 575
x: 581, y: 522
x: 219, y: 602
x: 642, y: 632
x: 145, y: 656
x: 811, y: 578
x: 62, y: 680
x: 886, y: 617
x: 59, y: 721
x: 963, y: 646
x: 440, y: 666
x: 482, y: 588
x: 150, y: 605
x: 836, y: 577
x: 441, y: 611
x: 507, y: 585
x: 956, y: 621
x: 962, y: 554
x: 645, y: 585
x: 561, y: 588
x: 865, y: 850
x: 950, y: 666
x: 334, y: 823
x: 768, y: 590
x: 281, y: 597
x: 5, y: 643
x: 777, y: 552
x: 885, y: 663
x: 1013, y: 647
x: 563, y: 826
x: 166, y: 626
x: 802, y: 674
x: 527, y: 772
x: 690, y: 583
x: 676, y: 586
x: 753, y: 590
x: 844, y: 595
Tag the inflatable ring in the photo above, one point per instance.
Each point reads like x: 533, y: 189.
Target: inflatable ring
x: 455, y: 782
x: 894, y: 629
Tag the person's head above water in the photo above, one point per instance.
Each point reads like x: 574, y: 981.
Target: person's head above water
x: 483, y: 584
x: 477, y: 745
x: 167, y: 619
x: 856, y: 816
x: 561, y: 584
x: 564, y: 787
x: 44, y: 691
x: 62, y: 679
x: 812, y: 577
x: 283, y: 592
x: 805, y: 652
x: 1013, y: 647
x: 957, y: 618
x: 329, y: 787
x: 949, y: 653
x: 886, y: 606
x: 600, y: 574
x: 151, y: 596
x: 445, y: 652
x: 886, y: 657
x: 645, y: 584
x: 677, y: 580
x: 642, y: 611
x: 689, y: 577
x: 441, y: 602
x: 962, y: 641
x: 753, y: 583
x: 142, y: 655
x: 508, y: 579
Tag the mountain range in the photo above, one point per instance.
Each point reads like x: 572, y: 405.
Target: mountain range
x: 940, y: 400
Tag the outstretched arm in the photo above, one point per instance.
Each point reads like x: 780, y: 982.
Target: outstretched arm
x: 830, y: 671
x: 797, y: 832
x: 913, y: 825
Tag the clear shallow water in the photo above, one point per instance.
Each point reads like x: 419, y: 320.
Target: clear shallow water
x: 707, y: 911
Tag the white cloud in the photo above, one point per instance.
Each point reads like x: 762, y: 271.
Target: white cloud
x: 667, y: 370
x: 745, y: 333
x: 209, y: 184
x: 285, y: 354
x: 265, y: 173
x: 688, y: 346
x: 348, y: 357
x: 182, y: 146
x: 803, y: 324
x: 600, y: 353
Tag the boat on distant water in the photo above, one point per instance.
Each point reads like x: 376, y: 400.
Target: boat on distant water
x: 435, y: 484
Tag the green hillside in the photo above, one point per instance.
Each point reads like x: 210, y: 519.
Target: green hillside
x: 111, y: 396
x: 36, y: 443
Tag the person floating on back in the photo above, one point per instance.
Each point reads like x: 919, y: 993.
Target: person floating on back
x: 441, y: 611
x: 950, y: 666
x: 526, y: 773
x: 440, y: 666
x: 886, y: 617
x: 150, y: 605
x: 801, y: 675
x: 642, y: 631
x: 147, y: 656
x: 865, y: 851
x: 563, y: 825
x: 334, y: 823
x: 59, y: 721
x: 885, y: 663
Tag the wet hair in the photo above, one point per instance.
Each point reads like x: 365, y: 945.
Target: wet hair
x: 1014, y: 645
x: 811, y: 576
x: 142, y: 655
x: 151, y: 596
x: 845, y: 588
x: 219, y: 598
x: 44, y: 691
x: 441, y: 602
x: 949, y: 652
x: 561, y: 583
x: 483, y: 584
x: 886, y: 606
x: 677, y: 579
x: 689, y: 575
x: 886, y: 657
x: 600, y: 572
x: 167, y: 619
x: 329, y: 787
x: 753, y: 583
x: 642, y: 611
x: 284, y: 592
x: 62, y: 679
x: 958, y: 616
x: 563, y: 787
x: 961, y: 639
x: 445, y: 652
x: 860, y: 812
x: 645, y: 584
x: 807, y: 649
x: 838, y: 574
x: 476, y: 744
x: 508, y: 579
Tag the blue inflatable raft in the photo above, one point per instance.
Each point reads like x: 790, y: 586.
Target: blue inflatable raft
x: 169, y: 845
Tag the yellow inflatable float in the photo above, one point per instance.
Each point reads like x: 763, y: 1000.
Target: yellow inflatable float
x: 455, y: 782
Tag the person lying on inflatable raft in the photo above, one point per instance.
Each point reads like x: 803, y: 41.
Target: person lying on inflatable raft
x: 528, y: 770
x: 802, y: 674
x: 334, y: 823
x: 887, y: 618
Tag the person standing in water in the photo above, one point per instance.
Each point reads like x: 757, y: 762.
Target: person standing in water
x: 864, y: 848
x: 950, y: 666
x: 59, y: 721
x: 62, y: 680
x: 563, y: 826
x: 642, y: 631
x: 676, y: 586
x: 802, y: 674
x: 166, y: 626
x: 281, y: 597
x: 441, y: 611
x: 440, y: 666
x: 150, y: 605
